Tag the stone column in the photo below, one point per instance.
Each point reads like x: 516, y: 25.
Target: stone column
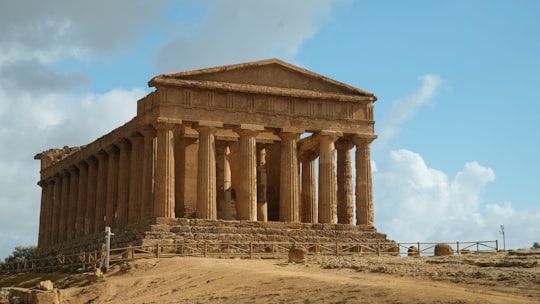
x: 112, y: 187
x: 289, y: 184
x: 164, y: 177
x: 345, y: 208
x: 57, y: 204
x: 364, y: 194
x: 42, y: 213
x: 246, y: 199
x: 81, y: 199
x: 309, y: 189
x: 64, y: 207
x: 262, y: 185
x: 123, y: 183
x: 49, y: 212
x: 327, y: 178
x: 72, y: 201
x: 101, y: 192
x: 206, y: 170
x: 224, y: 181
x: 136, y: 178
x: 147, y: 196
x: 184, y: 206
x: 90, y: 213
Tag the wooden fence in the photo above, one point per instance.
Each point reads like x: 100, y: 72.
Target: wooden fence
x: 94, y: 259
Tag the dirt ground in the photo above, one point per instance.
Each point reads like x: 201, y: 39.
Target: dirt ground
x: 512, y: 277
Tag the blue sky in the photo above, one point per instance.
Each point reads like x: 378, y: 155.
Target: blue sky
x: 457, y: 81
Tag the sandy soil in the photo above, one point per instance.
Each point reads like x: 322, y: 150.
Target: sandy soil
x: 473, y: 278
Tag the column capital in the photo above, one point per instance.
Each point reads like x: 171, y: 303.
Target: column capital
x: 72, y: 169
x: 91, y: 160
x: 207, y: 126
x: 328, y: 135
x: 64, y: 173
x: 309, y: 155
x: 344, y: 143
x: 247, y: 127
x: 288, y: 135
x: 165, y: 124
x: 135, y: 135
x: 111, y: 149
x: 82, y: 163
x: 148, y: 130
x: 363, y: 138
x: 122, y: 143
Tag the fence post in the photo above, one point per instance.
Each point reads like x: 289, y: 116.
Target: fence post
x: 337, y: 249
x: 378, y: 248
x: 457, y: 247
x: 157, y: 250
x: 497, y: 245
x: 419, y: 252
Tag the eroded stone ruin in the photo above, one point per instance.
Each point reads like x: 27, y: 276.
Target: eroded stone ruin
x: 222, y: 154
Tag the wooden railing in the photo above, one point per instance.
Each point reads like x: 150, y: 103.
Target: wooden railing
x: 94, y: 259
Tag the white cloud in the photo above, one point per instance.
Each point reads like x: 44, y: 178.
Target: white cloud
x: 243, y: 30
x: 31, y: 125
x: 414, y: 202
x: 405, y: 108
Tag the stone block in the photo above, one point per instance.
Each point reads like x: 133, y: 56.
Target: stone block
x: 46, y: 285
x: 160, y: 227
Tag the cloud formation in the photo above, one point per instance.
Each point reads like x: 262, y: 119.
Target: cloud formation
x: 405, y: 108
x: 243, y: 30
x: 414, y: 202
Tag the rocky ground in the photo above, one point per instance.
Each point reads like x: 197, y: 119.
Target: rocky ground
x: 504, y: 277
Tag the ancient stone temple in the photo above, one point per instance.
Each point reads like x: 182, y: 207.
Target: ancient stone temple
x: 265, y: 143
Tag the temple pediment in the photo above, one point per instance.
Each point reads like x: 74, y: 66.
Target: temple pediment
x: 271, y: 73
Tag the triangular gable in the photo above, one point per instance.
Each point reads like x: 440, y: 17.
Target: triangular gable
x: 268, y: 73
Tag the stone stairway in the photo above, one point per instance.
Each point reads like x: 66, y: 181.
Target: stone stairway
x: 180, y: 230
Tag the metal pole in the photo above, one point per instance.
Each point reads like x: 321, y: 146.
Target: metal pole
x: 107, y: 252
x: 504, y: 240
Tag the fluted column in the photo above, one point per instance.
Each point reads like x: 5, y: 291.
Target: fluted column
x: 82, y: 194
x: 101, y: 192
x: 49, y: 212
x: 364, y: 194
x: 42, y: 213
x: 206, y: 171
x: 262, y: 185
x: 112, y: 186
x: 57, y: 204
x: 136, y: 178
x: 289, y: 184
x: 90, y: 212
x: 183, y: 206
x: 327, y: 178
x: 309, y: 189
x: 123, y: 183
x: 345, y: 207
x: 164, y: 177
x: 72, y: 201
x: 147, y: 197
x: 64, y: 207
x: 246, y: 199
x: 224, y: 182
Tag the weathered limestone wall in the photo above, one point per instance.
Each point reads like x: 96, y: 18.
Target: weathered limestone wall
x: 171, y: 231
